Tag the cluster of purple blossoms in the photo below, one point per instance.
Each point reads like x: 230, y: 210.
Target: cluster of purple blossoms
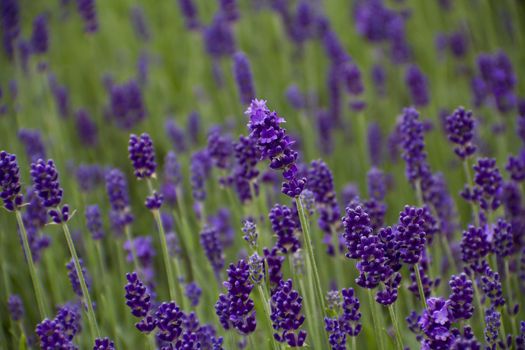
x: 35, y: 219
x: 492, y: 325
x: 176, y: 135
x: 474, y: 248
x: 40, y: 35
x: 235, y: 309
x: 200, y: 169
x: 59, y: 332
x: 33, y: 144
x: 172, y: 178
x: 503, y: 239
x: 286, y: 305
x: 243, y: 77
x: 417, y: 86
x: 104, y: 344
x: 411, y: 234
x: 154, y: 201
x: 142, y: 155
x: 347, y: 323
x: 88, y: 12
x: 460, y: 131
x: 435, y: 323
x: 461, y: 297
x: 126, y: 103
x: 490, y: 283
x: 47, y: 186
x: 87, y: 130
x: 212, y: 245
x: 169, y: 321
x: 516, y: 167
x: 274, y: 262
x: 117, y: 190
x: 496, y: 79
x: 94, y: 222
x: 193, y: 292
x: 487, y: 185
x: 321, y: 183
x: 274, y: 144
x: 220, y: 148
x: 244, y: 173
x: 219, y: 39
x: 138, y: 299
x: 190, y: 13
x: 284, y: 226
x: 10, y: 181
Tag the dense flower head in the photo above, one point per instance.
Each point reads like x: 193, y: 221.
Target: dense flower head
x: 33, y: 144
x: 503, y: 239
x: 220, y: 148
x: 154, y: 202
x: 435, y: 322
x: 73, y: 276
x: 286, y: 305
x: 200, y: 168
x: 52, y: 336
x: 15, y: 307
x: 250, y: 232
x: 235, y: 309
x: 490, y: 282
x: 126, y: 103
x: 274, y: 144
x: 247, y: 155
x: 40, y: 35
x: 176, y: 134
x: 117, y: 191
x: 474, y: 247
x: 413, y: 143
x: 417, y: 86
x: 87, y: 10
x: 69, y: 316
x: 357, y: 226
x: 169, y: 321
x: 516, y: 167
x: 460, y: 131
x: 372, y: 266
x: 138, y: 297
x: 142, y: 155
x: 377, y: 186
x: 94, y: 221
x: 219, y: 39
x: 213, y: 248
x: 487, y: 185
x: 104, y: 344
x: 492, y: 325
x: 45, y: 182
x: 10, y: 181
x: 243, y: 77
x: 283, y: 225
x: 274, y: 261
x: 461, y: 297
x: 350, y: 319
x: 411, y: 235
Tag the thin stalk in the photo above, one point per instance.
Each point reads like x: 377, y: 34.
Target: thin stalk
x: 267, y: 312
x: 374, y: 319
x: 174, y: 288
x: 478, y: 301
x: 127, y: 231
x: 399, y: 340
x: 85, y: 293
x: 32, y: 269
x: 466, y: 169
x: 337, y: 256
x: 509, y: 298
x: 420, y: 285
x: 354, y: 345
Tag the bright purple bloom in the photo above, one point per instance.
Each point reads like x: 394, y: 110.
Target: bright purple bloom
x: 487, y: 185
x: 117, y: 190
x: 275, y: 145
x: 503, y: 239
x: 88, y: 12
x: 411, y: 235
x: 417, y: 83
x: 274, y: 261
x: 213, y: 248
x: 87, y: 130
x: 347, y: 323
x: 435, y: 322
x: 236, y: 309
x: 413, y: 143
x: 243, y: 77
x: 169, y: 321
x: 94, y: 222
x: 460, y: 131
x: 461, y: 297
x: 138, y: 297
x: 372, y: 265
x: 52, y: 336
x: 474, y: 248
x: 283, y: 225
x: 154, y: 202
x: 357, y: 226
x: 104, y: 344
x: 40, y: 35
x: 490, y: 282
x: 142, y: 155
x: 15, y: 307
x: 516, y: 167
x: 286, y: 305
x: 10, y: 181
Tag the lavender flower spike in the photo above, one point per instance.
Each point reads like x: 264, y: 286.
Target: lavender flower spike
x: 10, y: 186
x: 142, y: 155
x: 243, y: 76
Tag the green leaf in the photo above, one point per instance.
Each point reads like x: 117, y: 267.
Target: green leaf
x: 22, y: 345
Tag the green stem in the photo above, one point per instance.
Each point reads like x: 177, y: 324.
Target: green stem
x: 85, y: 293
x: 509, y: 298
x: 392, y: 312
x: 420, y: 285
x: 466, y: 169
x: 32, y: 269
x: 266, y: 306
x: 374, y: 319
x: 127, y: 230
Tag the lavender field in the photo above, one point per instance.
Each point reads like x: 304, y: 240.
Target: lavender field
x: 262, y: 174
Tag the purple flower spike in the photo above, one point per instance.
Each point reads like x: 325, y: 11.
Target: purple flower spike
x: 52, y: 335
x: 286, y: 305
x: 435, y: 322
x: 283, y: 224
x: 10, y: 181
x: 154, y: 202
x: 40, y: 35
x: 274, y: 144
x: 193, y: 292
x: 137, y: 296
x: 243, y: 76
x: 460, y: 131
x: 487, y: 185
x: 357, y: 226
x: 474, y: 248
x: 492, y: 325
x: 491, y: 286
x: 104, y: 344
x: 127, y: 104
x: 274, y: 261
x: 86, y: 128
x: 213, y: 248
x: 33, y: 144
x: 413, y: 143
x: 94, y: 222
x: 88, y: 12
x: 142, y: 155
x: 220, y: 148
x: 417, y: 85
x: 461, y: 297
x: 15, y: 307
x: 503, y: 239
x: 516, y: 167
x: 411, y: 235
x: 190, y: 13
x: 236, y: 309
x: 73, y: 276
x: 169, y: 321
